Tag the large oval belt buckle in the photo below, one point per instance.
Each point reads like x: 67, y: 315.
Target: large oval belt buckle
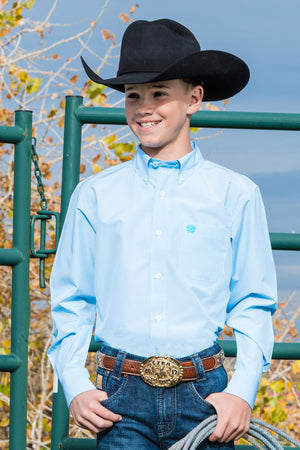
x: 161, y: 371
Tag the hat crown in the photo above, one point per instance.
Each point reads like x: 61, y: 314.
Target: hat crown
x: 155, y: 46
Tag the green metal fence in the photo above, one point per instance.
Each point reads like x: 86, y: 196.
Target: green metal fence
x: 18, y: 256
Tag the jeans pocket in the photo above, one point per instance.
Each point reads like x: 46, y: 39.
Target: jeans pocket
x: 113, y: 386
x: 215, y: 381
x: 196, y: 392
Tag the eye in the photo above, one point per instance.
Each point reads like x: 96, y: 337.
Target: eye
x: 159, y: 94
x: 132, y: 95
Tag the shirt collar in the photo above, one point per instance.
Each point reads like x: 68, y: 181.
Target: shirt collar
x: 185, y: 164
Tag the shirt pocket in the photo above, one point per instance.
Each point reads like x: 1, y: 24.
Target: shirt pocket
x: 202, y: 252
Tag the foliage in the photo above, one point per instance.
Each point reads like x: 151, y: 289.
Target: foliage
x: 39, y: 78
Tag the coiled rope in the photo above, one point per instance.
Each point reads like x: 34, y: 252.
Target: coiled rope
x: 254, y: 435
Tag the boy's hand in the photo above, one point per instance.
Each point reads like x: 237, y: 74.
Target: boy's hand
x: 89, y: 413
x: 233, y: 417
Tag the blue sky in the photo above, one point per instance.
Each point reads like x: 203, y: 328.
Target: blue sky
x: 265, y: 33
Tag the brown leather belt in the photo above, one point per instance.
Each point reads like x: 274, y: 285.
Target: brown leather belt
x: 162, y: 371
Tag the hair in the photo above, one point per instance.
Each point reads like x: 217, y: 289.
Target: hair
x: 193, y: 82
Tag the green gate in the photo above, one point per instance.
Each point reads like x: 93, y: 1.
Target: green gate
x: 18, y: 257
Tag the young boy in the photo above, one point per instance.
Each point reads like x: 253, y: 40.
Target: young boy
x: 164, y: 250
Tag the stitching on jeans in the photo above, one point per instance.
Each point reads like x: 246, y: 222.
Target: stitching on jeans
x: 197, y: 396
x: 118, y: 392
x: 174, y: 415
x: 164, y: 429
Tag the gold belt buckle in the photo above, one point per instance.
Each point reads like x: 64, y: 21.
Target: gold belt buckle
x: 161, y: 371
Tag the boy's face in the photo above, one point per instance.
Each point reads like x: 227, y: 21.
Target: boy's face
x: 159, y: 113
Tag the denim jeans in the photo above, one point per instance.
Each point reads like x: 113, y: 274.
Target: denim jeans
x: 156, y: 418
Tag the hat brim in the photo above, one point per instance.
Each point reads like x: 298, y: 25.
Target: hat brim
x: 222, y: 74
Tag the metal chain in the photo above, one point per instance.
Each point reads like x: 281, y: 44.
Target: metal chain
x: 43, y: 216
x: 38, y: 175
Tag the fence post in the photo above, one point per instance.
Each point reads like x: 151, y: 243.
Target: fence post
x: 20, y: 315
x: 70, y: 179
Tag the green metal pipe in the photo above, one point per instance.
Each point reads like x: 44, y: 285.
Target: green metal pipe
x: 10, y: 256
x: 60, y: 419
x: 20, y: 309
x: 79, y: 444
x: 11, y: 135
x: 9, y: 363
x: 94, y: 346
x: 101, y: 115
x: 210, y: 119
x: 246, y: 120
x: 70, y: 179
x: 286, y: 350
x: 285, y: 241
x: 281, y: 350
x: 229, y: 347
x: 71, y: 155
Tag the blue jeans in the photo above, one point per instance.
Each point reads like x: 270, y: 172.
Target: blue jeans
x: 156, y: 418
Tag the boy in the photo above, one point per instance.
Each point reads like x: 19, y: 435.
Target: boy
x: 165, y: 249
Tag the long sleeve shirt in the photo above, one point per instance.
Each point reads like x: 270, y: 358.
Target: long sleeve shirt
x: 163, y: 255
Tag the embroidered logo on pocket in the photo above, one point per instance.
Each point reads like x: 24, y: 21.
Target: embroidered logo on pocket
x: 191, y: 228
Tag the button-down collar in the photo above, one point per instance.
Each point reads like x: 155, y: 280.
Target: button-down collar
x: 184, y: 165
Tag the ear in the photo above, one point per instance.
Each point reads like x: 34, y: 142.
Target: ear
x: 196, y: 96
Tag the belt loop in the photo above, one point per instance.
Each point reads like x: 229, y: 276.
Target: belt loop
x: 118, y: 366
x: 200, y: 373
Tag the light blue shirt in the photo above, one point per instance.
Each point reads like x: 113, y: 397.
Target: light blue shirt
x: 164, y: 257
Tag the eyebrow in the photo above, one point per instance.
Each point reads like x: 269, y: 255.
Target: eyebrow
x: 157, y: 86
x: 161, y: 86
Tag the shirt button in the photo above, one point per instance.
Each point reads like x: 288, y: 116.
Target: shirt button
x: 158, y: 318
x: 158, y: 232
x: 158, y: 275
x: 154, y: 163
x: 162, y: 193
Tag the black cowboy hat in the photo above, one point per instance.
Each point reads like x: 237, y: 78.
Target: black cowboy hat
x: 166, y: 50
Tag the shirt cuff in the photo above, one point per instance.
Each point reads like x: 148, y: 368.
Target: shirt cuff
x: 75, y: 382
x: 244, y: 383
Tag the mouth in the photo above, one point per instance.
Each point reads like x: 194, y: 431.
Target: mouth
x: 148, y: 124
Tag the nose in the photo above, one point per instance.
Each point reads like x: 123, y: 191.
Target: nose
x: 144, y: 106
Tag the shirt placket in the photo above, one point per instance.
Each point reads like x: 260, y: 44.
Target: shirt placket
x: 159, y: 275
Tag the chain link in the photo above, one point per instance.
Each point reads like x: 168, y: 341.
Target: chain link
x: 38, y: 175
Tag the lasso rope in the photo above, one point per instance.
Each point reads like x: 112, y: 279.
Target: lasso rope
x: 255, y: 434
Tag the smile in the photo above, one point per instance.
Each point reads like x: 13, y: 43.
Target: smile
x: 148, y: 124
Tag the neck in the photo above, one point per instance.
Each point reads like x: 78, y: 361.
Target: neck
x: 168, y: 153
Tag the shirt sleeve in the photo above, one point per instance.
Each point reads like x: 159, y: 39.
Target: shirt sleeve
x: 253, y: 297
x: 72, y: 297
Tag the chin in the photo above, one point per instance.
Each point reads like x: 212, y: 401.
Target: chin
x: 150, y: 144
x: 151, y: 148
